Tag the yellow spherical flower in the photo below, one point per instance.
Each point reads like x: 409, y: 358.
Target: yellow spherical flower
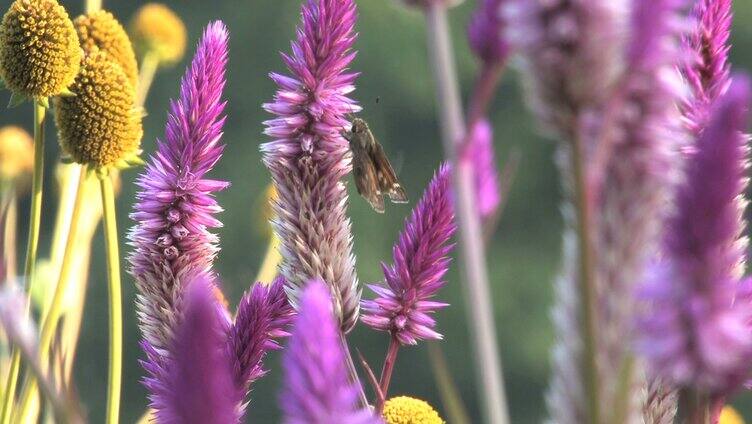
x: 730, y: 416
x: 158, y: 30
x: 101, y: 30
x: 39, y: 50
x: 16, y: 153
x: 407, y: 410
x: 99, y: 126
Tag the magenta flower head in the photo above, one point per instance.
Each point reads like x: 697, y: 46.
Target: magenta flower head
x: 421, y: 258
x: 199, y: 386
x: 263, y: 316
x: 309, y: 156
x: 175, y: 207
x: 317, y: 388
x: 694, y: 334
x: 481, y: 153
x: 486, y: 32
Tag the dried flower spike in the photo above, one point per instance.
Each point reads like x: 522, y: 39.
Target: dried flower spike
x: 407, y: 410
x: 404, y: 306
x: 39, y: 50
x: 309, y: 157
x: 16, y: 153
x: 156, y: 29
x: 100, y: 126
x: 100, y: 30
x: 317, y: 387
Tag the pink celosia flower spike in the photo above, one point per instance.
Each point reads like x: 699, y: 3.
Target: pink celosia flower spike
x: 175, y: 206
x: 309, y: 156
x: 404, y: 307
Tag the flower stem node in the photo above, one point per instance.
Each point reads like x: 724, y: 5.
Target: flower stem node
x: 39, y: 50
x: 100, y: 126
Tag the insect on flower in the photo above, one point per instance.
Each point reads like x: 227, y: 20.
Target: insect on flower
x: 374, y: 175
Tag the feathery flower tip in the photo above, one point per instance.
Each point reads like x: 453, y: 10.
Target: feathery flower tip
x: 16, y: 152
x: 317, y: 388
x: 39, y: 50
x: 99, y: 126
x: 404, y: 306
x: 407, y: 410
x: 158, y: 30
x: 100, y: 30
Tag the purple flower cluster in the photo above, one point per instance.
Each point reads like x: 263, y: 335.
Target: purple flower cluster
x: 694, y: 333
x: 317, y: 387
x: 309, y: 157
x: 403, y: 307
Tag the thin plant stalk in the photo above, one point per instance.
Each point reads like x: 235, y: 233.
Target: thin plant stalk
x: 362, y: 398
x: 694, y: 407
x: 450, y: 397
x: 488, y: 362
x: 32, y: 245
x: 50, y: 322
x: 115, y: 299
x: 387, y: 370
x: 93, y: 5
x: 9, y: 232
x: 149, y: 66
x: 270, y: 264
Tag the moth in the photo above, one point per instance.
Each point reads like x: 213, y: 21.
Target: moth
x: 373, y: 174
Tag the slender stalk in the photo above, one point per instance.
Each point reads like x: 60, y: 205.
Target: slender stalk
x: 450, y: 397
x: 694, y: 407
x: 480, y: 310
x: 272, y: 259
x: 583, y: 206
x: 363, y: 399
x: 51, y: 320
x: 116, y: 303
x: 386, y: 371
x: 32, y: 245
x: 9, y: 232
x: 485, y: 87
x: 149, y: 65
x: 93, y: 5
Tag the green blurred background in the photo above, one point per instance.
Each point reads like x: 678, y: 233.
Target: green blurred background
x: 523, y: 255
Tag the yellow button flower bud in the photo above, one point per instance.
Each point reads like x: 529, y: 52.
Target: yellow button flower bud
x: 158, y: 30
x: 99, y: 126
x: 407, y: 410
x: 39, y: 50
x: 101, y: 30
x: 730, y: 416
x: 16, y: 153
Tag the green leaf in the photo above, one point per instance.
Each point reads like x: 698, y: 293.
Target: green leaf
x: 15, y: 100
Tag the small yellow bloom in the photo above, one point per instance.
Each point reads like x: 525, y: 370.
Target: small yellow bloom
x: 39, y: 50
x: 158, y: 30
x: 730, y: 416
x: 100, y: 126
x: 16, y: 153
x: 101, y: 30
x: 407, y: 410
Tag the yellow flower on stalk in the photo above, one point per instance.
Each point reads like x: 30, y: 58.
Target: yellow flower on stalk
x: 16, y: 153
x: 407, y: 410
x: 39, y: 50
x: 101, y: 30
x: 730, y: 416
x: 157, y: 30
x: 100, y: 126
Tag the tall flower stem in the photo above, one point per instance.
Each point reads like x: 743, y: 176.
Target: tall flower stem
x: 115, y: 299
x: 93, y: 5
x: 149, y: 65
x: 50, y: 322
x: 387, y: 370
x: 485, y: 87
x: 269, y: 266
x: 488, y: 362
x: 583, y: 207
x: 694, y: 407
x: 32, y: 245
x: 362, y: 398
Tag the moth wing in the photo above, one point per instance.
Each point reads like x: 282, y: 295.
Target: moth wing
x: 366, y: 182
x: 388, y: 183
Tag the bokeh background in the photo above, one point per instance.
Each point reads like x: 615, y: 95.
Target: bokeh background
x: 396, y: 91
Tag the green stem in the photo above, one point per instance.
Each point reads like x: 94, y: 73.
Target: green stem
x: 35, y: 218
x: 115, y: 297
x: 694, y: 407
x: 149, y: 66
x: 51, y: 320
x: 93, y: 5
x: 587, y: 281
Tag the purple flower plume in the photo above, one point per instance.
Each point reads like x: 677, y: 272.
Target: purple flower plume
x: 481, y: 153
x: 694, y: 334
x: 175, y: 206
x: 198, y: 386
x: 317, y: 387
x: 263, y: 316
x: 486, y: 32
x: 707, y: 74
x: 404, y: 306
x: 309, y: 156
